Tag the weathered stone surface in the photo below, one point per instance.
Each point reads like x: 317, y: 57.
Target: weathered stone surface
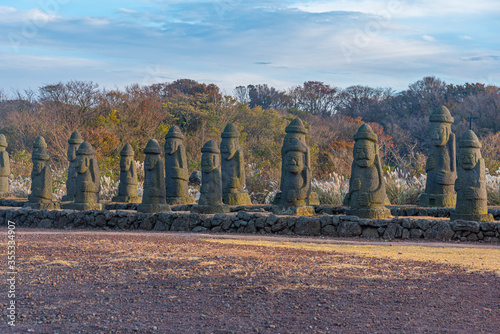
x: 296, y: 131
x: 210, y: 209
x: 294, y: 210
x: 416, y: 233
x: 88, y: 180
x: 4, y: 168
x: 470, y: 184
x: 370, y: 232
x: 211, y: 182
x: 366, y: 195
x: 349, y: 229
x: 440, y: 231
x: 195, y: 178
x: 153, y: 198
x: 74, y: 142
x: 41, y: 176
x: 233, y: 168
x: 464, y: 225
x: 390, y: 231
x: 441, y: 164
x: 307, y: 226
x: 176, y: 170
x: 127, y: 189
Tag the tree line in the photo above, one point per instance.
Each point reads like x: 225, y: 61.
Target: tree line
x: 110, y: 118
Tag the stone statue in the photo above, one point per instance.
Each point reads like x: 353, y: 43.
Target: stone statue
x: 4, y: 168
x: 472, y: 199
x: 127, y: 189
x: 88, y: 180
x: 176, y: 170
x: 211, y: 183
x: 41, y: 178
x: 441, y: 164
x: 296, y: 186
x: 233, y: 168
x: 366, y: 195
x: 295, y: 130
x: 74, y: 142
x: 153, y: 198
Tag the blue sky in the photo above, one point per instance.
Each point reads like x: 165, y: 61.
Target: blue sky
x: 231, y: 42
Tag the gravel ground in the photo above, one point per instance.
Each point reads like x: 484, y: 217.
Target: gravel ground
x: 108, y: 282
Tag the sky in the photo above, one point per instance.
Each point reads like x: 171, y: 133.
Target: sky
x: 234, y: 42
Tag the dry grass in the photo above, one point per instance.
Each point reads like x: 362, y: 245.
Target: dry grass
x: 471, y: 259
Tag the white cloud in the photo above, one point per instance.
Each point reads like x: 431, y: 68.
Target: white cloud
x: 34, y: 16
x: 428, y: 38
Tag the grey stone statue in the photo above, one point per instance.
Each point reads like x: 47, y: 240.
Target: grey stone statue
x: 441, y: 164
x: 296, y: 181
x: 74, y: 142
x: 176, y: 170
x: 367, y: 194
x: 211, y: 183
x: 472, y: 199
x: 153, y: 198
x: 295, y: 130
x: 88, y: 180
x: 41, y: 178
x: 233, y: 168
x: 127, y: 189
x: 4, y: 168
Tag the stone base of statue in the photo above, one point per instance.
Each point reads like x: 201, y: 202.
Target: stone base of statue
x: 313, y: 199
x: 126, y: 199
x: 67, y: 198
x: 236, y: 199
x: 294, y: 210
x: 5, y: 195
x: 180, y: 200
x: 372, y: 213
x: 82, y: 206
x: 438, y: 200
x: 153, y: 208
x: 210, y: 209
x: 477, y: 217
x: 42, y: 205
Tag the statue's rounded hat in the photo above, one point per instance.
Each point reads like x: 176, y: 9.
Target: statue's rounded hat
x: 210, y: 147
x: 3, y: 141
x: 174, y: 132
x: 85, y: 149
x: 76, y: 138
x: 40, y: 153
x: 39, y: 142
x: 230, y: 131
x: 469, y: 139
x: 296, y: 146
x: 441, y: 115
x: 127, y: 150
x: 365, y: 132
x: 296, y: 126
x: 152, y: 147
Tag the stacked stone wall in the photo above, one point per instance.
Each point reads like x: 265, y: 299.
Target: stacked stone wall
x: 263, y: 222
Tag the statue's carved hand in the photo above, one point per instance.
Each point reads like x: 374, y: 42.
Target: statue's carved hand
x: 234, y: 183
x: 431, y: 163
x: 363, y: 199
x: 441, y: 177
x: 291, y: 196
x: 356, y: 184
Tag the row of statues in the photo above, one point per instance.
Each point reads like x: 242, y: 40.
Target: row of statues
x: 223, y: 174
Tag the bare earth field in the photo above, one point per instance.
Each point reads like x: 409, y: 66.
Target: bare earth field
x: 140, y: 282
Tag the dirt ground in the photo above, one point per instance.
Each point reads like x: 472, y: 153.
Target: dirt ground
x: 143, y: 282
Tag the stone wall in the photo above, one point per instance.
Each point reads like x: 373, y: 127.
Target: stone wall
x: 258, y: 223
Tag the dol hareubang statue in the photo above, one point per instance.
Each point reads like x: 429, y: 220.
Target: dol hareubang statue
x: 472, y: 199
x: 88, y: 180
x: 153, y: 198
x: 367, y: 194
x: 233, y: 168
x: 211, y: 182
x: 74, y: 142
x: 41, y: 178
x: 176, y: 171
x: 441, y: 164
x: 4, y: 168
x: 295, y: 130
x: 127, y: 189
